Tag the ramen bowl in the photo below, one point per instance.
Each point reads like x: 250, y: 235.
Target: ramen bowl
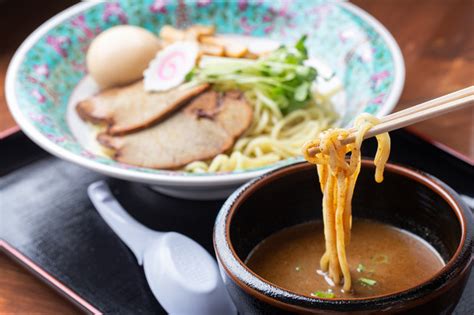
x: 46, y: 72
x: 407, y: 199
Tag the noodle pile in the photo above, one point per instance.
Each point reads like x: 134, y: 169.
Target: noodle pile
x: 337, y: 177
x: 271, y: 137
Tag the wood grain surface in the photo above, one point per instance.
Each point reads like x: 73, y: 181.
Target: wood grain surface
x: 22, y: 293
x: 437, y: 41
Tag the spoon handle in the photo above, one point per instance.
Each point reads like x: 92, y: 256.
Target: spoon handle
x: 131, y: 232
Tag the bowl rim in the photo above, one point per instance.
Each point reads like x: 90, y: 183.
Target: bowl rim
x: 226, y: 254
x: 171, y: 179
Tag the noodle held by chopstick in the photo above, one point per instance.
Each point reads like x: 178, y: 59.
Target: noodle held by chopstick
x: 337, y: 177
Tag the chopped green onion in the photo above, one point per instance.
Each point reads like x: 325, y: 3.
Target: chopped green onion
x: 360, y: 268
x: 323, y: 294
x: 282, y: 76
x: 380, y: 259
x: 297, y: 268
x: 367, y: 282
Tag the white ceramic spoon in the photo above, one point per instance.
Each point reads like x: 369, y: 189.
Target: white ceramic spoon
x: 182, y: 275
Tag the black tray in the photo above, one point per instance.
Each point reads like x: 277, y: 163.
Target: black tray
x: 49, y: 220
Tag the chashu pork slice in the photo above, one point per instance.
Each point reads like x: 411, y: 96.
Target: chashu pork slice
x: 205, y: 127
x: 130, y: 108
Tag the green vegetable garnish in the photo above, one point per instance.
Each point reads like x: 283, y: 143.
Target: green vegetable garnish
x: 323, y: 294
x: 380, y: 259
x: 367, y: 282
x: 279, y: 80
x: 300, y: 45
x: 360, y: 268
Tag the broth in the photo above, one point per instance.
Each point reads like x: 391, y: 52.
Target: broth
x: 382, y: 259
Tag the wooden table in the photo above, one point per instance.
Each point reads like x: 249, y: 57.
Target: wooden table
x: 437, y: 42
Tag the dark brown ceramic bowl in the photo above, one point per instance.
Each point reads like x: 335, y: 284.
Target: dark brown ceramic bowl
x: 406, y: 199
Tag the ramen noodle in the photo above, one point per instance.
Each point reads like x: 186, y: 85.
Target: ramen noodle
x: 271, y: 137
x: 337, y: 177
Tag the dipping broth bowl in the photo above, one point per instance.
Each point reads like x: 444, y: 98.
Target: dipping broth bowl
x: 407, y: 199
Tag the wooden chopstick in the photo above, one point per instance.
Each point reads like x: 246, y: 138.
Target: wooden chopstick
x: 428, y: 104
x: 430, y: 109
x: 415, y: 117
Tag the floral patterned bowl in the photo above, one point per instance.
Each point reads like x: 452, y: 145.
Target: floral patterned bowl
x: 47, y: 67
